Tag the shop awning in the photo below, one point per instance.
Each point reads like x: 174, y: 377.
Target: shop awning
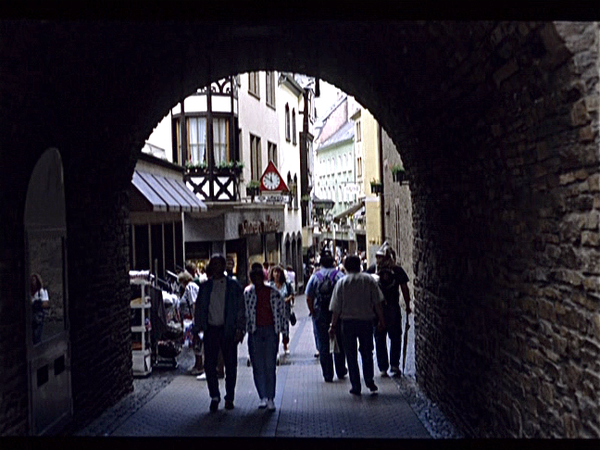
x: 347, y: 212
x: 165, y: 193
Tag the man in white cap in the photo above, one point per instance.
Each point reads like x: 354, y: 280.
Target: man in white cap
x: 391, y: 279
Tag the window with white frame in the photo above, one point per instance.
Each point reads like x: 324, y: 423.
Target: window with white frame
x: 358, y: 131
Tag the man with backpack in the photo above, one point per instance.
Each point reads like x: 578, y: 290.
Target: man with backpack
x: 318, y: 297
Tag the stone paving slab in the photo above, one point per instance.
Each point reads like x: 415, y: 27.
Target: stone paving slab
x: 306, y: 405
x: 170, y: 403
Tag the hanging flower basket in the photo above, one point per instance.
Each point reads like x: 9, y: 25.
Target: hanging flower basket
x: 398, y: 173
x: 376, y: 187
x: 398, y: 176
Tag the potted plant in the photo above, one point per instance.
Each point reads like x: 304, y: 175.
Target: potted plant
x: 238, y: 167
x: 376, y: 186
x: 223, y: 166
x: 398, y: 173
x: 198, y: 167
x: 252, y: 188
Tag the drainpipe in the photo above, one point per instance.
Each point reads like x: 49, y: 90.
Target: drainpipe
x: 382, y: 197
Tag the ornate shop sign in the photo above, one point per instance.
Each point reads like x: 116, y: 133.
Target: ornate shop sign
x: 258, y: 226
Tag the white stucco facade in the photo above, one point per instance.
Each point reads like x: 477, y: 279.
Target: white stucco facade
x: 162, y: 136
x: 289, y: 148
x: 258, y: 119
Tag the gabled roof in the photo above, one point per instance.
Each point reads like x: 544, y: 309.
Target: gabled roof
x: 332, y: 108
x: 344, y: 133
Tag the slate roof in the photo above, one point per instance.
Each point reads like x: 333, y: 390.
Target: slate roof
x: 345, y: 133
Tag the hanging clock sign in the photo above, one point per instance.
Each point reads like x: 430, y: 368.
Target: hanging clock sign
x: 272, y: 181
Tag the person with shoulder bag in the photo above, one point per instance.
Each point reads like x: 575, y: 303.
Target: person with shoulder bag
x: 318, y: 296
x: 265, y: 321
x: 278, y: 280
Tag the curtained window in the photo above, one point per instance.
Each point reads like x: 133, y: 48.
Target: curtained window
x: 197, y: 139
x: 221, y: 139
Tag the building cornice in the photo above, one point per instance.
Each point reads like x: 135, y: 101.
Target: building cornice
x: 287, y: 80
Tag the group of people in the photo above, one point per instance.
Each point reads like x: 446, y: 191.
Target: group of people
x: 224, y: 312
x: 350, y: 309
x: 350, y: 306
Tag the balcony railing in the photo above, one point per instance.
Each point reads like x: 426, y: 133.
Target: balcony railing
x: 220, y: 184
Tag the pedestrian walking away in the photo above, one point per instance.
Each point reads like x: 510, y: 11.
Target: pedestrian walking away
x: 265, y: 320
x: 391, y: 279
x: 356, y: 301
x: 318, y: 296
x: 221, y: 316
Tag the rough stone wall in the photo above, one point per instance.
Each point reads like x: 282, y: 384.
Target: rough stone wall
x: 398, y: 209
x: 506, y: 248
x: 496, y: 123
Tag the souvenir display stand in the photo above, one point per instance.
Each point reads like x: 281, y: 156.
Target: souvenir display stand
x: 140, y: 325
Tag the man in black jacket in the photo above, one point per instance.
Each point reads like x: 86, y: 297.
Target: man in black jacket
x: 391, y: 279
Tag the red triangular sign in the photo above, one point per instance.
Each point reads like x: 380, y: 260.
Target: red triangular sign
x: 271, y: 180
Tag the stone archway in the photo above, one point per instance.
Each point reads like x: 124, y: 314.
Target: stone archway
x: 497, y: 124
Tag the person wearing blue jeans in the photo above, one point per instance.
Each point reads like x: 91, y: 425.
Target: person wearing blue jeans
x: 319, y: 311
x: 355, y: 302
x: 266, y: 319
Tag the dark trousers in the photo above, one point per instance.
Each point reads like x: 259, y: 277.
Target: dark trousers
x: 360, y: 331
x: 315, y: 332
x: 393, y: 322
x: 325, y: 358
x: 214, y: 341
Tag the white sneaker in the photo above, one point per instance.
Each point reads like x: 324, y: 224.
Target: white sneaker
x: 270, y: 405
x: 263, y: 403
x: 201, y: 377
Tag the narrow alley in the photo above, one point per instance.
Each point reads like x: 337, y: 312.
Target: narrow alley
x: 175, y: 404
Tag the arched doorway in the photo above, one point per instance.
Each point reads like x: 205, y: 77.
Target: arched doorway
x: 499, y: 174
x: 48, y: 343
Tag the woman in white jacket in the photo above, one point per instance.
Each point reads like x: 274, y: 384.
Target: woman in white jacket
x: 265, y: 321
